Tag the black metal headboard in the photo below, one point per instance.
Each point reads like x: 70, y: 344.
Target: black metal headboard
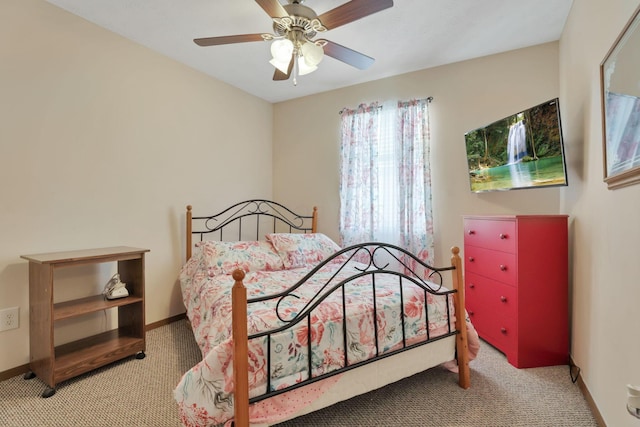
x: 249, y: 220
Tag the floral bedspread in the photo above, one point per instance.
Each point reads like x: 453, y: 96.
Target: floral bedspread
x: 204, y: 394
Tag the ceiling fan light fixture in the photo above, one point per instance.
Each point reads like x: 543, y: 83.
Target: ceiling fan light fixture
x: 305, y: 68
x: 281, y: 65
x: 312, y: 53
x: 281, y: 50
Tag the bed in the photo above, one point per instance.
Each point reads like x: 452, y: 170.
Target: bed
x: 288, y: 322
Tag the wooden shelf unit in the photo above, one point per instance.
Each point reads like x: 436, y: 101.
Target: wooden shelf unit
x: 54, y: 364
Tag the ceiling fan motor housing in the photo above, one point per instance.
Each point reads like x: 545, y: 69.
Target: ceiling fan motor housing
x: 301, y: 18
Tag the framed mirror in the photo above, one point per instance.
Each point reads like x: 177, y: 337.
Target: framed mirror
x: 620, y: 92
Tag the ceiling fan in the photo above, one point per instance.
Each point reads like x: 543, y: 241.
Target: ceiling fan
x: 294, y: 49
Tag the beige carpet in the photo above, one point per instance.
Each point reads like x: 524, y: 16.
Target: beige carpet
x: 139, y: 393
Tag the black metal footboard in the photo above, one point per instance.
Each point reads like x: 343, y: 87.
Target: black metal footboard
x: 374, y: 260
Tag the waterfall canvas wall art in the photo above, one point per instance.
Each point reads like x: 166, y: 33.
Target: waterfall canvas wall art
x: 523, y: 150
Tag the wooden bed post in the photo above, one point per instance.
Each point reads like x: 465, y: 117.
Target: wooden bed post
x: 189, y: 232
x: 462, y: 347
x: 240, y: 351
x: 314, y: 220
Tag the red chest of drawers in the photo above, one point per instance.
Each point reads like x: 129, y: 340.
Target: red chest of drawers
x: 516, y: 285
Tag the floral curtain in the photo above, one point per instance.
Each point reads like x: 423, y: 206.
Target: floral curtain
x: 359, y: 191
x: 385, y: 178
x: 416, y: 219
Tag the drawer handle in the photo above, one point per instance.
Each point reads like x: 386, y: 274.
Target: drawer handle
x: 503, y: 236
x: 503, y: 330
x: 503, y: 299
x: 471, y: 285
x: 470, y: 232
x: 471, y: 313
x: 471, y: 259
x: 503, y: 267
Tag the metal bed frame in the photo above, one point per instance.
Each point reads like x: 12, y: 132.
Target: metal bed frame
x: 370, y: 254
x: 280, y: 219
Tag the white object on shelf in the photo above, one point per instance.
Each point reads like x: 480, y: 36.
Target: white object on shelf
x: 633, y: 400
x: 115, y: 289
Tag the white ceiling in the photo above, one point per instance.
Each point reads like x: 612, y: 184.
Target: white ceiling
x: 412, y: 35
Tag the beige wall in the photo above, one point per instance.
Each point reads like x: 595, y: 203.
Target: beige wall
x: 466, y: 95
x: 604, y: 226
x: 104, y: 143
x: 606, y: 230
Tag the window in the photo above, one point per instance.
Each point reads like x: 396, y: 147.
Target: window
x: 385, y: 178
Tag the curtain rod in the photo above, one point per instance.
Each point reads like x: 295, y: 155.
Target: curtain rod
x: 428, y: 99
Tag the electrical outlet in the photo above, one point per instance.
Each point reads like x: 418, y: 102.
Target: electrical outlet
x: 9, y: 318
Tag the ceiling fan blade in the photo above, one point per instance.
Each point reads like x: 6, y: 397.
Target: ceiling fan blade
x: 273, y: 8
x: 348, y: 56
x: 352, y: 11
x: 279, y: 75
x: 240, y: 38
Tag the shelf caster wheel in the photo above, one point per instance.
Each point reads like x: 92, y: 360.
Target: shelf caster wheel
x: 141, y: 355
x: 48, y: 392
x: 29, y: 375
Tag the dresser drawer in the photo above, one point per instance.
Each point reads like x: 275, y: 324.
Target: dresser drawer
x: 500, y: 266
x: 492, y: 308
x: 499, y: 235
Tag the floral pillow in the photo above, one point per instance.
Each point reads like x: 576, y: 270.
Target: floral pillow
x: 225, y: 257
x: 299, y: 250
